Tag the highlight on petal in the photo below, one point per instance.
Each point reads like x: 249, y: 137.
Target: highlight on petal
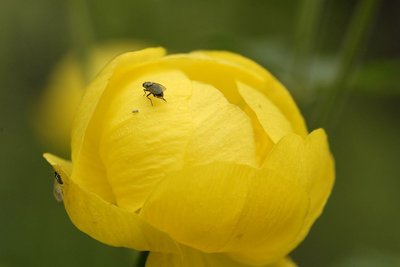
x: 106, y: 222
x: 225, y: 207
x: 193, y: 258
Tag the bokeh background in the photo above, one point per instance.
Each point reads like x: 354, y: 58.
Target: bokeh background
x: 339, y: 58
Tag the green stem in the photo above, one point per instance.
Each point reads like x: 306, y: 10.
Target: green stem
x: 141, y: 261
x: 352, y: 46
x: 81, y: 31
x: 305, y: 39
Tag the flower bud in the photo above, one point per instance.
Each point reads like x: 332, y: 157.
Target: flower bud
x: 222, y: 173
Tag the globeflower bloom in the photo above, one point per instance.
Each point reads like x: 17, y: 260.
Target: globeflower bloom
x: 224, y: 173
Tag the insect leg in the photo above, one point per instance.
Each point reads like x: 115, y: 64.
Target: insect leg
x: 149, y: 98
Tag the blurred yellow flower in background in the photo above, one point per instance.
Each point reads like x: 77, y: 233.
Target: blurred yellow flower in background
x: 223, y: 174
x: 54, y: 113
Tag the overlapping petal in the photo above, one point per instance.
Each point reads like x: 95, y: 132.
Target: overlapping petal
x: 89, y: 171
x: 309, y: 162
x: 138, y: 149
x: 267, y: 84
x: 225, y: 207
x: 104, y: 221
x: 274, y: 123
x: 306, y: 161
x: 221, y: 130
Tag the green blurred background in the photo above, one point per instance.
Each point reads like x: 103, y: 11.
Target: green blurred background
x: 339, y: 58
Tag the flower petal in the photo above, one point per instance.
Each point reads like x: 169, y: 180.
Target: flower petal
x: 187, y: 142
x: 270, y: 221
x: 95, y: 90
x: 222, y: 131
x: 61, y: 166
x: 105, y: 222
x: 88, y: 170
x: 104, y: 52
x: 270, y: 86
x: 194, y: 258
x: 270, y: 117
x: 306, y: 161
x: 138, y: 149
x: 244, y: 210
x: 233, y: 59
x: 195, y: 202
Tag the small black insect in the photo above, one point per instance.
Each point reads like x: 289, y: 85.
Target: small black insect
x: 58, y: 178
x: 155, y: 89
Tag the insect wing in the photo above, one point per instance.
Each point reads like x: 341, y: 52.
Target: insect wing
x: 57, y: 192
x: 163, y: 88
x: 158, y: 88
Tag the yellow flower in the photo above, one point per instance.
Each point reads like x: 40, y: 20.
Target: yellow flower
x: 223, y: 174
